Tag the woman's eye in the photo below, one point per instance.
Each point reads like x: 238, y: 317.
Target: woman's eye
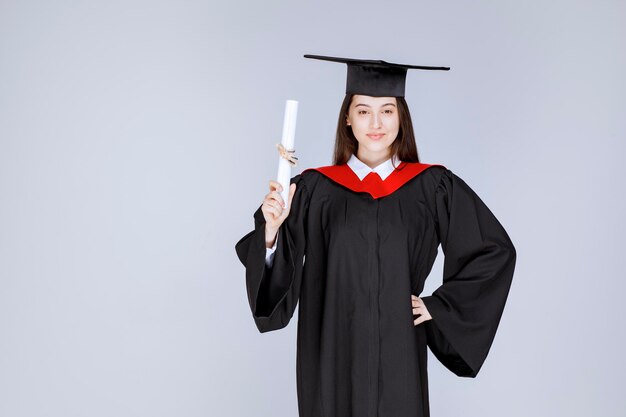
x: 362, y: 111
x: 388, y: 111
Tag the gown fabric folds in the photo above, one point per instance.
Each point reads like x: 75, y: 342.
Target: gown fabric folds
x: 351, y: 261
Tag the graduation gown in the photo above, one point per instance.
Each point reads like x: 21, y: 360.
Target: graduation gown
x: 350, y: 254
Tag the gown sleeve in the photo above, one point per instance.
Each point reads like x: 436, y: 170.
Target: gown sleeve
x: 273, y: 292
x: 477, y: 274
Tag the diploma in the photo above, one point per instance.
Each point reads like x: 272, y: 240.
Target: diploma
x: 287, y: 142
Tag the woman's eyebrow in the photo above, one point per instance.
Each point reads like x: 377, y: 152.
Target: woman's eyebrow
x: 367, y: 105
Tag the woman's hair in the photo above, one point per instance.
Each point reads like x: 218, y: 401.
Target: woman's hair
x: 403, y: 147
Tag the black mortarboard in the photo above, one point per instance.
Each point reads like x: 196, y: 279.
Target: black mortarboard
x: 375, y: 78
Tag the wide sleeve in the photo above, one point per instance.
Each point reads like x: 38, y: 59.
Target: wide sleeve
x: 273, y: 292
x: 477, y: 274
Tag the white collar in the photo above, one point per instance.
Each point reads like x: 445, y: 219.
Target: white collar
x: 383, y: 169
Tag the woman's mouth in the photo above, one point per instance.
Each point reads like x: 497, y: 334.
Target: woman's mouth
x: 375, y: 136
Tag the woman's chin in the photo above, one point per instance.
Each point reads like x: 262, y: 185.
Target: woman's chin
x: 376, y: 147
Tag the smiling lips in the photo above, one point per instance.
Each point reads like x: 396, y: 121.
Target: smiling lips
x: 375, y: 136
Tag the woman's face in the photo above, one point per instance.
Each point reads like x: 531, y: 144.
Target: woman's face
x: 375, y: 124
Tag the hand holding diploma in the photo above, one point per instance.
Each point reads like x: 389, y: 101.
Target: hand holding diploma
x: 274, y: 212
x: 277, y: 203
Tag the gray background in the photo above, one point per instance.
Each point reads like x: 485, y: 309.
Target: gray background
x: 137, y: 139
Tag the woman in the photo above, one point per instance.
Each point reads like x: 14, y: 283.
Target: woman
x: 356, y: 240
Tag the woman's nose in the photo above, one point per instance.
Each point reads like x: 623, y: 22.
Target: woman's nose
x: 376, y: 122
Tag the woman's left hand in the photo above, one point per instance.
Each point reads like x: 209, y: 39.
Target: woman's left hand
x: 419, y: 308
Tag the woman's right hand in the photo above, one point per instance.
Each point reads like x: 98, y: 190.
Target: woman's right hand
x: 273, y: 210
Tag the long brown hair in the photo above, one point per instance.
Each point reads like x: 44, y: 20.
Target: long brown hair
x: 403, y: 147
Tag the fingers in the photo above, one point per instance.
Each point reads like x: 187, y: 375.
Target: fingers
x: 274, y: 201
x: 270, y: 207
x: 276, y: 196
x: 273, y: 206
x: 419, y: 320
x: 416, y: 302
x: 419, y: 309
x: 275, y: 185
x: 275, y: 190
x: 274, y: 209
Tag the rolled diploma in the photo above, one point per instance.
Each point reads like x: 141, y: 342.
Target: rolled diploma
x: 288, y: 140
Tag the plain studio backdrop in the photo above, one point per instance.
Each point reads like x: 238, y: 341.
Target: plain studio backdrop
x: 137, y: 138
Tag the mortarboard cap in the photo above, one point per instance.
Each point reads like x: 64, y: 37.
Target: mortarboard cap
x: 373, y: 77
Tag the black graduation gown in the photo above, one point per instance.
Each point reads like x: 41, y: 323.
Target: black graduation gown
x: 352, y: 253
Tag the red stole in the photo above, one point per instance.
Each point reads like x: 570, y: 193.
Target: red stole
x: 372, y: 183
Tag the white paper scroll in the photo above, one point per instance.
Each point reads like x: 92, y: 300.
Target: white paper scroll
x: 288, y: 141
